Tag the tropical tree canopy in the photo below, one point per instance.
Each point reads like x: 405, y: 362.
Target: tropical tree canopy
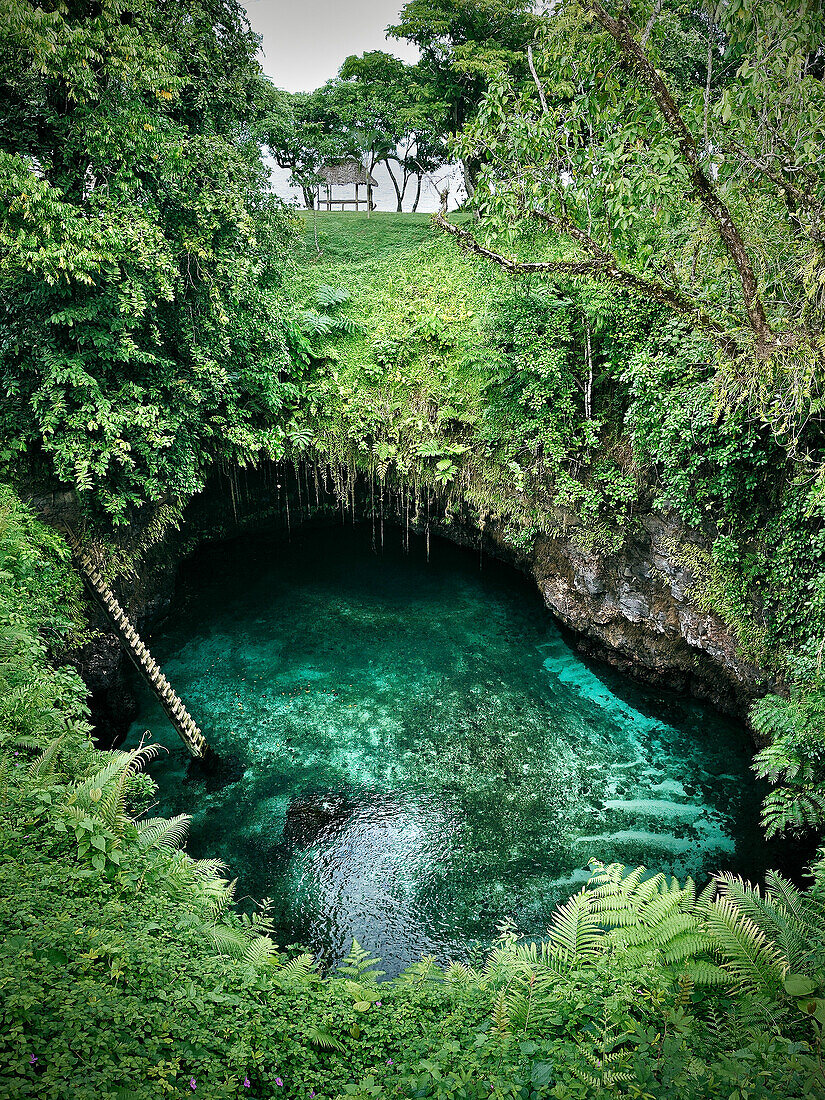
x: 141, y: 333
x: 465, y: 46
x: 695, y: 181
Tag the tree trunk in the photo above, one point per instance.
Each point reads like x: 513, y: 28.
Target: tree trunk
x: 399, y: 194
x: 470, y: 171
x: 370, y: 170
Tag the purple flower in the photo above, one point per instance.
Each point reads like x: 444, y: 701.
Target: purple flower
x: 279, y: 1082
x: 377, y: 1004
x: 389, y: 1061
x: 193, y: 1084
x: 246, y: 1082
x: 33, y: 1059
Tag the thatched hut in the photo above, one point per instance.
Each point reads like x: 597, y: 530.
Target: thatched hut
x: 345, y: 173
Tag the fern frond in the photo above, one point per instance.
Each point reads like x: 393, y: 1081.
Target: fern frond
x: 227, y: 941
x: 44, y: 764
x: 688, y: 899
x: 575, y: 931
x: 324, y: 1039
x: 778, y: 763
x: 208, y: 868
x: 501, y: 1012
x: 785, y: 892
x: 219, y: 895
x: 327, y: 297
x: 295, y: 972
x: 161, y: 831
x: 792, y: 809
x: 793, y: 921
x: 646, y: 890
x: 423, y: 972
x: 360, y: 966
x: 347, y: 326
x: 111, y: 806
x: 259, y: 952
x: 706, y: 974
x: 316, y: 324
x: 707, y: 895
x: 459, y: 974
x: 743, y: 948
x: 685, y: 947
x: 119, y: 764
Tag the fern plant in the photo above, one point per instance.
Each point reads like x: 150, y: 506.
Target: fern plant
x: 328, y: 297
x: 794, y: 758
x: 763, y: 935
x: 294, y: 973
x: 422, y: 973
x: 94, y: 807
x: 607, y: 1064
x: 360, y: 967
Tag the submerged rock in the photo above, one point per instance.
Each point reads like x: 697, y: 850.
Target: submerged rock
x: 307, y: 818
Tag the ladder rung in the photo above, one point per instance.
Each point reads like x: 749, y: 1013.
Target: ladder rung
x: 190, y: 733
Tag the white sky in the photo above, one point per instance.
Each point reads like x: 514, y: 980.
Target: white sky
x: 305, y: 41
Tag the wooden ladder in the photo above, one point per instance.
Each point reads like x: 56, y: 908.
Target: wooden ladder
x: 179, y: 716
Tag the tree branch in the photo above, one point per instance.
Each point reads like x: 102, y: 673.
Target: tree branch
x: 654, y: 15
x: 703, y: 188
x: 797, y: 199
x: 531, y: 63
x: 603, y: 265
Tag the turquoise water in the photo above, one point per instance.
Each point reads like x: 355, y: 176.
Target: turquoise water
x: 413, y: 752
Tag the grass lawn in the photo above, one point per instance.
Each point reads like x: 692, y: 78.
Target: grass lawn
x: 352, y: 238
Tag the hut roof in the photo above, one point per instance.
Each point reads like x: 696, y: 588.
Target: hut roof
x: 344, y: 173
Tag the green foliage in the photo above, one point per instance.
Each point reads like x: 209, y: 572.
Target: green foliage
x: 794, y: 758
x: 144, y: 335
x: 466, y: 43
x: 40, y: 617
x: 645, y: 159
x: 141, y: 327
x: 395, y: 118
x: 526, y: 403
x: 378, y: 110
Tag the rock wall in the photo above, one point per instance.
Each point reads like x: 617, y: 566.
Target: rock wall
x: 639, y: 607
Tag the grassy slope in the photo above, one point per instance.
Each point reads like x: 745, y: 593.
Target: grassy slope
x: 406, y: 390
x: 351, y: 238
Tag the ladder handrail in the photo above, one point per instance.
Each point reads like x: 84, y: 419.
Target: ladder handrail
x: 185, y: 726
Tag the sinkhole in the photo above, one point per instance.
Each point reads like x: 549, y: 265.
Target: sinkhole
x: 417, y: 753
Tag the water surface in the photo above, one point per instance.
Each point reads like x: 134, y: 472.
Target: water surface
x: 417, y: 753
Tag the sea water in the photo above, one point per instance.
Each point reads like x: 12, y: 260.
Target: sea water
x: 411, y: 752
